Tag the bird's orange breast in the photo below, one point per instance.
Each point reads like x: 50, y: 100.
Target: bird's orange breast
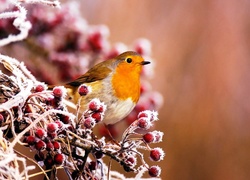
x: 126, y: 83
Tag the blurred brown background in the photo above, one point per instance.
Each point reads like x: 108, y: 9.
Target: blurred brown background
x: 202, y: 54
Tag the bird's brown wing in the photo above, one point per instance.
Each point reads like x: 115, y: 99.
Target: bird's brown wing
x: 96, y: 73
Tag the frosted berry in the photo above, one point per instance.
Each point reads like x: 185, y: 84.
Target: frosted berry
x: 156, y: 154
x: 94, y: 105
x: 65, y: 119
x: 40, y: 145
x: 49, y: 146
x: 148, y: 137
x: 154, y: 171
x: 97, y: 116
x: 89, y: 123
x: 39, y: 88
x: 144, y: 123
x: 30, y: 140
x: 40, y: 133
x: 145, y: 113
x: 52, y: 127
x: 83, y: 90
x: 51, y: 102
x: 59, y: 91
x: 131, y: 161
x: 59, y: 159
x: 56, y: 145
x: 52, y: 135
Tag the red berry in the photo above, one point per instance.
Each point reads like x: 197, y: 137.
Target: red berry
x: 52, y: 127
x: 145, y: 113
x: 148, y: 137
x: 65, y: 119
x: 56, y: 145
x: 40, y: 133
x: 51, y: 102
x: 131, y: 161
x: 39, y: 88
x: 143, y: 123
x: 89, y: 123
x: 94, y: 105
x: 83, y: 90
x: 59, y: 159
x: 30, y: 140
x: 49, y: 146
x: 58, y: 91
x: 154, y: 171
x: 156, y: 154
x: 97, y: 116
x: 40, y: 145
x: 52, y: 135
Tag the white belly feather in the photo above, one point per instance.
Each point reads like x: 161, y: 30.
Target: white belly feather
x: 118, y: 110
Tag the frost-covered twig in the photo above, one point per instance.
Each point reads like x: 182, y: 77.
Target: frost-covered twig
x: 10, y: 162
x: 20, y: 19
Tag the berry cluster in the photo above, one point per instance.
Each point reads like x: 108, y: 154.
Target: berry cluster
x: 60, y: 138
x: 37, y: 117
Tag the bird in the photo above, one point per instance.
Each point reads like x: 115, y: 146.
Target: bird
x: 115, y: 82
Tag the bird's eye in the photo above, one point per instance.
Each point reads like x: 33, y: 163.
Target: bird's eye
x: 129, y: 60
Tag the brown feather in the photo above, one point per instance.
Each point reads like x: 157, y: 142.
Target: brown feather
x: 96, y: 73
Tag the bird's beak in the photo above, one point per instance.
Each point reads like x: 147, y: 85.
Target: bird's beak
x: 145, y: 62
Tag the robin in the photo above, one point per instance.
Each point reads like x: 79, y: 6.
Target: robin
x: 116, y: 82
